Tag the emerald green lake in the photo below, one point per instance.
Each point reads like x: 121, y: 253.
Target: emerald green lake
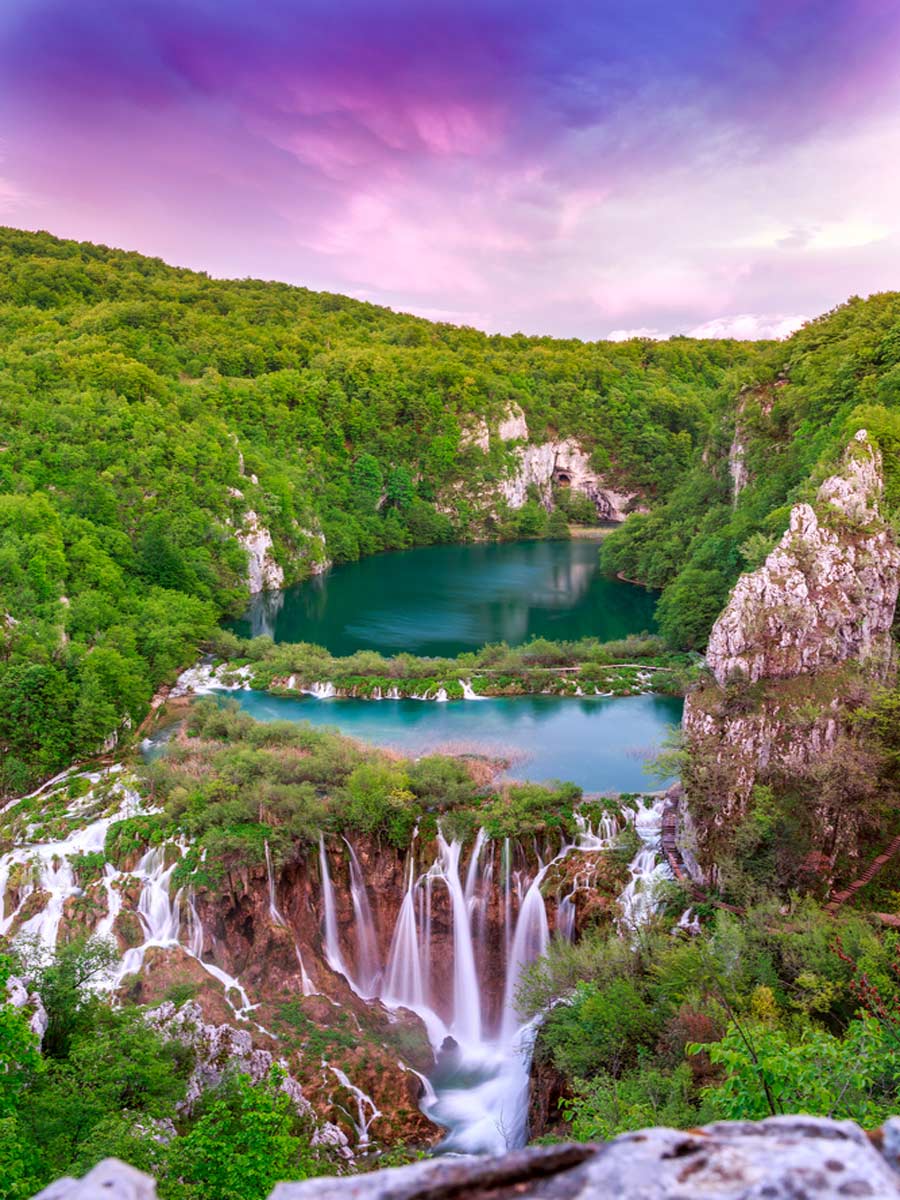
x: 601, y: 744
x: 443, y: 600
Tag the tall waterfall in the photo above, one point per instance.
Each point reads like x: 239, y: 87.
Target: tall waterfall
x: 466, y: 1023
x: 368, y: 969
x: 332, y: 944
x: 403, y: 977
x: 531, y: 940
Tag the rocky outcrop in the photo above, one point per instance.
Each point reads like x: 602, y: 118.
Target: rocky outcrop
x: 542, y: 466
x: 783, y: 1158
x: 558, y: 464
x: 797, y: 646
x: 263, y: 571
x: 828, y: 591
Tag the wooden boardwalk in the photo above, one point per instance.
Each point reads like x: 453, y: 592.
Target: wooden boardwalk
x: 838, y: 898
x: 669, y: 842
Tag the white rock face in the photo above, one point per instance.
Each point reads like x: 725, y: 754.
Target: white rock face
x: 828, y: 591
x: 567, y: 464
x: 218, y: 1047
x: 263, y: 572
x: 513, y: 427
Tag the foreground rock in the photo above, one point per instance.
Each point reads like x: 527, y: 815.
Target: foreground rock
x: 784, y: 1158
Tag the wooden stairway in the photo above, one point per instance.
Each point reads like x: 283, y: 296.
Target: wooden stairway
x: 838, y: 898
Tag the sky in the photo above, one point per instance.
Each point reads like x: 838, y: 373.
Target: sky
x: 582, y: 168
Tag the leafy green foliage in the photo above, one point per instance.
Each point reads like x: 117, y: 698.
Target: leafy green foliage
x: 778, y: 1011
x: 145, y: 410
x: 809, y: 395
x: 248, y: 1138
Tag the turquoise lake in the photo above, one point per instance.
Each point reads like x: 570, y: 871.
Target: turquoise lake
x: 599, y: 743
x: 442, y: 600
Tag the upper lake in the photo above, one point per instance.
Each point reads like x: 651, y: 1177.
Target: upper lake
x: 443, y: 600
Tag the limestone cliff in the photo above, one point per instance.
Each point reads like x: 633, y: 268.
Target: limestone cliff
x: 563, y: 463
x: 828, y: 591
x: 798, y: 645
x: 264, y: 573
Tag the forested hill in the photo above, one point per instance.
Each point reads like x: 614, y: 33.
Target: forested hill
x: 144, y: 410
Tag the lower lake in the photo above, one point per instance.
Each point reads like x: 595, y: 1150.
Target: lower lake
x: 600, y: 743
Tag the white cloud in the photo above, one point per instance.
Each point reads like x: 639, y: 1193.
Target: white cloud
x: 624, y: 335
x: 749, y: 326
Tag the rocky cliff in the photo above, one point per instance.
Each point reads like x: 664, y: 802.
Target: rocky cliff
x: 827, y: 593
x: 799, y: 644
x: 543, y: 466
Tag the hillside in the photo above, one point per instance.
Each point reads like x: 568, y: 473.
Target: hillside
x: 158, y: 425
x: 771, y: 445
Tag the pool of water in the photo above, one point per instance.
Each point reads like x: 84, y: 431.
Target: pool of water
x: 600, y: 743
x: 442, y: 600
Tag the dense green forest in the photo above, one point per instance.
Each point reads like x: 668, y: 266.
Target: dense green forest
x: 134, y: 396
x: 144, y: 410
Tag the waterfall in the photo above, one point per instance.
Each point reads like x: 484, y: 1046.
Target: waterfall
x: 469, y: 692
x: 507, y: 901
x: 466, y: 1024
x: 195, y: 949
x: 368, y: 970
x: 159, y: 916
x: 366, y: 1111
x: 472, y: 872
x: 306, y: 986
x: 565, y: 915
x: 426, y: 942
x: 321, y: 691
x: 607, y: 830
x: 113, y: 901
x: 57, y: 879
x: 195, y: 928
x: 403, y: 977
x: 530, y: 942
x: 332, y: 945
x: 647, y: 869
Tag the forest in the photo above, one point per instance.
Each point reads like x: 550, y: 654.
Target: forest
x: 145, y: 409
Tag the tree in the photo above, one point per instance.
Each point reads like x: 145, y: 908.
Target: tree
x: 248, y: 1138
x: 365, y: 484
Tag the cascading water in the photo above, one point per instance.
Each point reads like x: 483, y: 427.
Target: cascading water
x: 366, y: 1110
x: 306, y: 985
x: 368, y: 970
x: 531, y: 940
x: 332, y: 942
x: 480, y: 1084
x: 647, y: 868
x: 466, y: 1023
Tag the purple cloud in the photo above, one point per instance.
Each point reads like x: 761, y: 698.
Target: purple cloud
x: 570, y: 168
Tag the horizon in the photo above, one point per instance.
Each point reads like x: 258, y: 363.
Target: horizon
x: 600, y: 172
x: 634, y: 335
